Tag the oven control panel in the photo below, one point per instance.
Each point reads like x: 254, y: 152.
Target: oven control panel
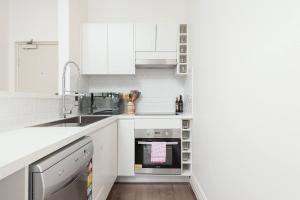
x: 157, y: 133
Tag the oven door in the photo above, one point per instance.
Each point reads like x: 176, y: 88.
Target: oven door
x: 143, y: 164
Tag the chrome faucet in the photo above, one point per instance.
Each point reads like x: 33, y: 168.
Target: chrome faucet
x: 76, y: 94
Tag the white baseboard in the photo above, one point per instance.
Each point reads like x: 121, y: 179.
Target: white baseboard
x: 200, y: 195
x: 152, y: 179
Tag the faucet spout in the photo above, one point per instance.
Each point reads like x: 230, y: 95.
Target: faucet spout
x: 68, y: 64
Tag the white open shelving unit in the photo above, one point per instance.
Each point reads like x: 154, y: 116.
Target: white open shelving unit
x: 182, y: 67
x: 186, y: 147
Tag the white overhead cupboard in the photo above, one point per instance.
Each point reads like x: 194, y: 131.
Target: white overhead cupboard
x: 94, y: 49
x: 156, y: 37
x: 167, y: 37
x: 156, y: 45
x: 145, y: 37
x: 121, y: 49
x: 117, y: 49
x: 108, y: 49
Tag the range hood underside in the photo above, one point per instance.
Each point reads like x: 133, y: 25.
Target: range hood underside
x: 156, y: 59
x: 156, y: 63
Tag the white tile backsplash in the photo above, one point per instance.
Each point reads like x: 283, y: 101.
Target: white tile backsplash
x: 159, y: 88
x: 18, y: 112
x: 188, y: 92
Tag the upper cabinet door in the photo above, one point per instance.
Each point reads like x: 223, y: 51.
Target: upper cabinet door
x: 145, y: 35
x: 121, y: 58
x: 167, y: 37
x: 94, y: 49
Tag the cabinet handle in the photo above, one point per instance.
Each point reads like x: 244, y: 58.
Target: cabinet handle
x: 150, y: 143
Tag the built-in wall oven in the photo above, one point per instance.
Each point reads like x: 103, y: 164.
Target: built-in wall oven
x: 144, y: 141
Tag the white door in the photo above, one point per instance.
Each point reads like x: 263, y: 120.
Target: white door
x: 167, y: 37
x: 121, y: 49
x: 145, y: 37
x: 126, y: 147
x: 94, y: 49
x: 37, y: 67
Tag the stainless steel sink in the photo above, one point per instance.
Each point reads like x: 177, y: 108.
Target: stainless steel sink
x: 78, y: 121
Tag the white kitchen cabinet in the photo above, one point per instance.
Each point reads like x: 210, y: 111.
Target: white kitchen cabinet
x: 126, y: 147
x: 108, y: 49
x: 15, y: 186
x: 167, y: 37
x: 104, y: 160
x: 156, y: 37
x: 94, y: 49
x: 145, y: 37
x: 121, y: 49
x: 157, y: 124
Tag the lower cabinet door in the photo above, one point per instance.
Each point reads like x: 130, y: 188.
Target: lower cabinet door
x: 104, y: 160
x: 126, y: 147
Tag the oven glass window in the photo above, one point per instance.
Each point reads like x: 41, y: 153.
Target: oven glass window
x: 147, y: 156
x: 143, y: 153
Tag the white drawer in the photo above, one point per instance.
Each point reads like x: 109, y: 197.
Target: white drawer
x: 157, y: 124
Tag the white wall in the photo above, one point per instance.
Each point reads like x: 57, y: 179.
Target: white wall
x: 246, y: 92
x: 64, y: 39
x: 4, y: 26
x: 33, y: 19
x: 21, y: 110
x: 137, y: 11
x: 71, y: 14
x: 30, y: 19
x: 159, y: 88
x: 78, y: 14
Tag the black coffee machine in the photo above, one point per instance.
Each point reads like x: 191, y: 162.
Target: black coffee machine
x: 105, y: 103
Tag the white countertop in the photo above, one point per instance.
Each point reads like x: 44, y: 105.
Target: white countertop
x: 183, y: 116
x: 22, y: 147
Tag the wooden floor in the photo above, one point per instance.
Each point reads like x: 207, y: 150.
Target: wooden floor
x: 151, y: 191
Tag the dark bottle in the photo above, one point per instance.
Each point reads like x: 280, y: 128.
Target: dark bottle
x: 180, y: 103
x: 177, y: 105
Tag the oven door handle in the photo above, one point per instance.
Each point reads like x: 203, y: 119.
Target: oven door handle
x: 149, y: 143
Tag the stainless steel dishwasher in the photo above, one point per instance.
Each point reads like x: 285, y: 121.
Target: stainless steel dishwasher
x: 65, y: 174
